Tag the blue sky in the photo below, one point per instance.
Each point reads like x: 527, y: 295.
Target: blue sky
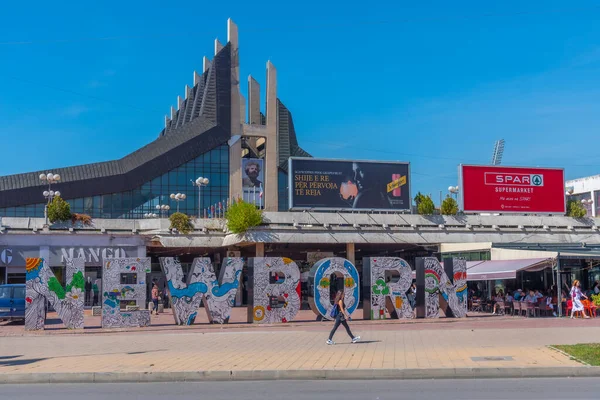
x: 434, y: 83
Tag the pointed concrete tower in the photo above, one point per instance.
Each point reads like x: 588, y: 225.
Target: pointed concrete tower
x: 235, y: 145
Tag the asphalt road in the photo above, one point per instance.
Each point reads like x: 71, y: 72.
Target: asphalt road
x: 530, y: 389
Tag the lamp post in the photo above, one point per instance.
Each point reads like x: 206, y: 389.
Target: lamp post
x: 587, y: 203
x: 164, y: 208
x: 200, y: 182
x: 454, y: 190
x: 178, y: 197
x: 49, y: 194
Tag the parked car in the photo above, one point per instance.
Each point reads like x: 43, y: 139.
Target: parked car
x: 12, y: 302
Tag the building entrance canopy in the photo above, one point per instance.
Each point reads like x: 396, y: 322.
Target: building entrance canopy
x: 504, y: 269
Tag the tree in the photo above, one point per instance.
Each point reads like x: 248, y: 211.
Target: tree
x: 181, y: 222
x: 242, y: 216
x: 449, y: 206
x: 575, y: 209
x: 425, y: 205
x: 59, y: 210
x: 419, y: 198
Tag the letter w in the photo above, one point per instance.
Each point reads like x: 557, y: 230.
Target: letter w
x: 202, y: 285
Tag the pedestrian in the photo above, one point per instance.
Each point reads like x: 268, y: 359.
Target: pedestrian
x: 155, y: 298
x: 340, y: 313
x: 576, y: 296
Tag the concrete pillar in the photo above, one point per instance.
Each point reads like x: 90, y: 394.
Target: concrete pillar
x: 173, y: 113
x: 272, y: 156
x: 196, y: 78
x: 350, y: 253
x: 253, y: 101
x: 242, y: 109
x: 235, y: 144
x: 260, y: 249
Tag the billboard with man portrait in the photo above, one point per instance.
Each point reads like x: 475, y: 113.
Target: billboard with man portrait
x: 253, y: 180
x: 348, y: 185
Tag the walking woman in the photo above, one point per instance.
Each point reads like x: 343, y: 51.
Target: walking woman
x: 155, y: 295
x: 576, y: 296
x: 341, y: 315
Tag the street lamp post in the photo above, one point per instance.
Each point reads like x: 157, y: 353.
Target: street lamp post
x: 178, y: 197
x: 49, y: 194
x: 164, y: 208
x: 150, y: 215
x: 454, y: 190
x: 200, y: 182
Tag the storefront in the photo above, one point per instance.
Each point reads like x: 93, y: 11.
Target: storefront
x: 15, y: 249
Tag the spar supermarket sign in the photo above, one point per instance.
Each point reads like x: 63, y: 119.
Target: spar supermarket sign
x: 512, y: 189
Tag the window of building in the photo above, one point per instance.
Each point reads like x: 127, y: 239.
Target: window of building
x: 213, y: 165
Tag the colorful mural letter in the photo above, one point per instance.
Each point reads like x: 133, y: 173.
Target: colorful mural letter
x: 434, y: 285
x: 321, y: 286
x: 273, y: 290
x: 380, y: 293
x: 124, y: 281
x: 217, y: 295
x: 43, y: 286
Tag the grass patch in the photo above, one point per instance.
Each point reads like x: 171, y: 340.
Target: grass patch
x: 589, y: 353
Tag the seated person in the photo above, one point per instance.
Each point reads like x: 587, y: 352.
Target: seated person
x: 530, y: 298
x: 538, y: 294
x: 518, y: 294
x: 549, y: 304
x: 498, y: 299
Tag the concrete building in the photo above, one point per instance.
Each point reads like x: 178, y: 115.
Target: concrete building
x: 207, y: 134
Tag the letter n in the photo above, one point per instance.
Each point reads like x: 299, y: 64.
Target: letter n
x: 133, y: 290
x: 434, y: 286
x: 43, y: 286
x: 379, y: 294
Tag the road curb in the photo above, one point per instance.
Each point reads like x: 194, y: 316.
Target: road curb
x: 333, y: 374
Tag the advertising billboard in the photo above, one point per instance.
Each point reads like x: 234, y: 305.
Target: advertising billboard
x: 253, y: 178
x: 512, y: 189
x: 348, y: 185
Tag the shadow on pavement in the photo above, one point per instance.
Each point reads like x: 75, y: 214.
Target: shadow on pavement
x: 16, y: 363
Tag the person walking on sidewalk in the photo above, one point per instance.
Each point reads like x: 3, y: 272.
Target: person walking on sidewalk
x: 576, y: 296
x: 340, y: 314
x: 155, y: 298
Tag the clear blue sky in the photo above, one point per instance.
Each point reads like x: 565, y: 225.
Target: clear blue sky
x: 433, y: 83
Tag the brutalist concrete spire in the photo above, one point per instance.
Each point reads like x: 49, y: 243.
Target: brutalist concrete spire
x: 253, y: 101
x: 235, y: 146
x: 196, y: 78
x: 205, y: 63
x: 218, y: 45
x: 179, y: 102
x: 272, y: 146
x: 188, y: 92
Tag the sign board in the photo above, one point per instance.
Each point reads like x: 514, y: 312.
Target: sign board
x: 325, y: 184
x: 497, y: 189
x: 253, y: 178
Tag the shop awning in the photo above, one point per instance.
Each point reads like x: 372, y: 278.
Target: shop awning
x: 504, y: 269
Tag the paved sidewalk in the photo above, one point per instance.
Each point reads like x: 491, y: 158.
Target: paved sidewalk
x: 265, y: 352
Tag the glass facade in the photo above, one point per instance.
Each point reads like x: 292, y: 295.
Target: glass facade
x: 282, y: 191
x: 213, y: 165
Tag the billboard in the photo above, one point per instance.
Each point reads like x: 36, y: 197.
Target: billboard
x: 348, y: 185
x: 253, y: 178
x: 512, y: 189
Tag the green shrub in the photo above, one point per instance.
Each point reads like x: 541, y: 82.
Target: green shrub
x: 242, y: 216
x: 449, y: 206
x: 59, y: 210
x: 181, y: 222
x: 575, y: 209
x: 426, y: 206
